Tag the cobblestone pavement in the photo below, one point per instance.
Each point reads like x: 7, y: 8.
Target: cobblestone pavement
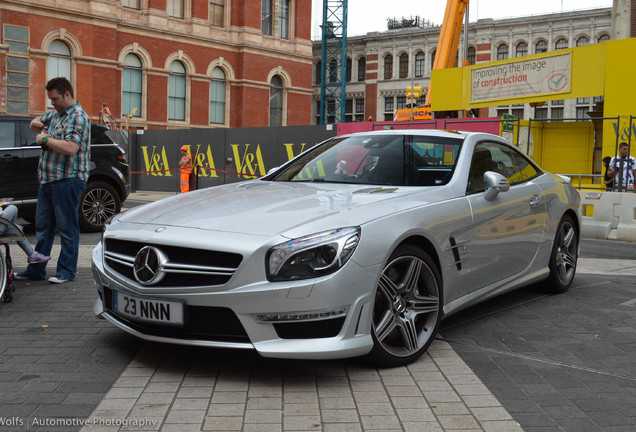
x: 524, y: 361
x: 557, y: 363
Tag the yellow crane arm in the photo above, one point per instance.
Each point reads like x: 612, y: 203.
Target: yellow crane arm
x: 448, y: 38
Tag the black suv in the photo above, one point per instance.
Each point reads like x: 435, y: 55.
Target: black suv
x: 108, y: 184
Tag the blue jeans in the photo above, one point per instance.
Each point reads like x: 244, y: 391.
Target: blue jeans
x: 57, y: 211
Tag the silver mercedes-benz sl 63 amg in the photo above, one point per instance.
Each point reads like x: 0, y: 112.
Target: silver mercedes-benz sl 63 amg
x: 357, y: 247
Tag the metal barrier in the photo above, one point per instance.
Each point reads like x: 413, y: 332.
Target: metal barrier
x: 578, y: 183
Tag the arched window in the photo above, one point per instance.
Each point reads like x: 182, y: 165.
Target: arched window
x: 419, y: 64
x: 388, y: 66
x: 276, y: 101
x: 362, y: 69
x: 522, y: 49
x: 177, y: 91
x: 502, y: 52
x: 404, y: 65
x: 603, y: 38
x: 582, y: 41
x: 561, y: 44
x: 59, y: 62
x: 132, y: 85
x: 217, y: 96
x: 541, y: 47
x: 472, y: 54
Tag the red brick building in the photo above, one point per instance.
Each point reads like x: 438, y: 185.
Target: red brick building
x: 162, y: 63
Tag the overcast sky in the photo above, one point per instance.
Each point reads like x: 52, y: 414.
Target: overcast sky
x: 371, y: 15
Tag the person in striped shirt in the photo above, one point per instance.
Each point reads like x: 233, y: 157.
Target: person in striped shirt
x: 63, y: 170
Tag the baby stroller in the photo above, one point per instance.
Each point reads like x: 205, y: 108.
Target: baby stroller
x: 6, y: 267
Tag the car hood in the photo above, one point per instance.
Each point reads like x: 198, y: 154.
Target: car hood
x: 270, y: 208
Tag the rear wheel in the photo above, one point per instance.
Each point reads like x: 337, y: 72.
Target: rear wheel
x: 407, y: 308
x: 98, y: 202
x: 564, y: 256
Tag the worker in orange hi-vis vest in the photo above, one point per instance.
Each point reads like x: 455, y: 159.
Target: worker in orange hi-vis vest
x: 185, y: 164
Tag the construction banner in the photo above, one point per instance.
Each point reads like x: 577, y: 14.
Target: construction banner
x: 539, y: 76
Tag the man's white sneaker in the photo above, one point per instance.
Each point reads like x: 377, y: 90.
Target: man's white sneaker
x: 58, y: 279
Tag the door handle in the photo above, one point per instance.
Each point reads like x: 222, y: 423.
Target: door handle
x: 10, y: 157
x: 535, y: 200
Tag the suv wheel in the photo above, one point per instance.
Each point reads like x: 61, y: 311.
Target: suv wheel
x: 98, y: 202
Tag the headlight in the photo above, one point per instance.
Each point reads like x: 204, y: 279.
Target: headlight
x: 312, y: 256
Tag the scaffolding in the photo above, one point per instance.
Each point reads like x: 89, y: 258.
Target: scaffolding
x: 333, y: 72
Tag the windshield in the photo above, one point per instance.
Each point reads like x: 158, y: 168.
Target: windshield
x: 391, y: 160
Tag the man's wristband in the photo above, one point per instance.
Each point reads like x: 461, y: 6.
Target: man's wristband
x: 45, y: 138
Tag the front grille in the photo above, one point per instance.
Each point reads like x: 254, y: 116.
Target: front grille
x: 218, y: 324
x: 310, y: 329
x: 186, y: 267
x: 201, y: 257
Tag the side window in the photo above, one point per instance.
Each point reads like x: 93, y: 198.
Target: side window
x: 482, y: 161
x: 432, y: 161
x: 504, y: 164
x: 99, y: 134
x: 27, y: 135
x: 523, y: 166
x: 501, y: 159
x: 436, y: 152
x: 7, y: 134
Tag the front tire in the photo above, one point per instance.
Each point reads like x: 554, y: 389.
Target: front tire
x: 407, y: 308
x: 564, y: 256
x: 98, y: 202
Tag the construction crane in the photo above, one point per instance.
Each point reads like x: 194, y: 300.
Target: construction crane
x: 449, y: 38
x: 444, y: 58
x: 333, y: 71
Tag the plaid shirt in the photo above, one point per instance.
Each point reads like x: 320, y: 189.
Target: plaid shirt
x: 75, y: 126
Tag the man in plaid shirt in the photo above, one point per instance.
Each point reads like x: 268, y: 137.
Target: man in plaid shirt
x: 64, y: 135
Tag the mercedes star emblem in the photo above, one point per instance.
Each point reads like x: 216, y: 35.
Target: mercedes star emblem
x: 149, y: 264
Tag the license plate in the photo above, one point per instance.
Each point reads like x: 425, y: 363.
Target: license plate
x: 159, y: 311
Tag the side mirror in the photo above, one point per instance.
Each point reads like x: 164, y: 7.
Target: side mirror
x: 494, y: 183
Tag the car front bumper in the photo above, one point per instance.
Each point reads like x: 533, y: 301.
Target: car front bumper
x: 295, y: 331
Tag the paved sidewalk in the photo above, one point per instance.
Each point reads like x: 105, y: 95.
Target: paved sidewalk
x: 523, y: 361
x: 191, y: 389
x: 61, y: 369
x: 58, y: 364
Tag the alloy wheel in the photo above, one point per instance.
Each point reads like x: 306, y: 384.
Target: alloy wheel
x: 566, y: 253
x: 407, y: 307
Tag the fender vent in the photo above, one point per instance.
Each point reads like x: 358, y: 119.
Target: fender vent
x: 453, y: 247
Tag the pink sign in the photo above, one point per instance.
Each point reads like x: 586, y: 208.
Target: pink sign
x: 488, y: 124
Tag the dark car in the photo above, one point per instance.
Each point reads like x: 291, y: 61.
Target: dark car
x: 108, y: 184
